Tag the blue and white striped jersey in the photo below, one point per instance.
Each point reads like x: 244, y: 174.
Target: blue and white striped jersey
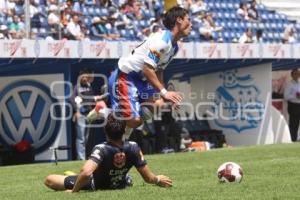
x: 157, y: 51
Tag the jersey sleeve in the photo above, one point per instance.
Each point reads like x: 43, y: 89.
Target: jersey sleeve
x: 139, y: 160
x: 156, y: 49
x: 97, y: 155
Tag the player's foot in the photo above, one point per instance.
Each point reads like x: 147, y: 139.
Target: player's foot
x: 92, y: 116
x: 100, y: 114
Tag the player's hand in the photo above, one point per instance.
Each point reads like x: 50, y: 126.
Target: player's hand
x: 173, y: 97
x: 164, y: 181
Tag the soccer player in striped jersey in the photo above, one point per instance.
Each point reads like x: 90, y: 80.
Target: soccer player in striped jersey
x: 139, y: 76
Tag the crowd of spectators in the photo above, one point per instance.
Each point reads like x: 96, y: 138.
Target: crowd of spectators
x: 129, y: 20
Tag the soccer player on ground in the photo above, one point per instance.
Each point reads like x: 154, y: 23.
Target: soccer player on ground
x: 108, y: 164
x: 139, y: 76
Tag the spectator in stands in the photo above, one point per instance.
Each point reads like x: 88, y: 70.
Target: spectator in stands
x: 252, y: 12
x: 246, y: 37
x: 85, y: 32
x: 19, y: 7
x: 112, y: 29
x: 198, y: 5
x: 127, y: 21
x: 65, y: 16
x: 208, y: 27
x: 68, y: 4
x: 6, y: 8
x: 133, y: 10
x: 292, y: 95
x: 100, y: 30
x: 243, y: 11
x: 53, y: 16
x: 258, y: 37
x: 34, y: 15
x: 15, y: 29
x: 104, y: 3
x: 74, y: 30
x: 289, y: 35
x: 4, y: 34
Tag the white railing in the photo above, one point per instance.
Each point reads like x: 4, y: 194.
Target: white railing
x: 102, y: 50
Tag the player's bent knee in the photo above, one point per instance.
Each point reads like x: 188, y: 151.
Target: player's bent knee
x: 48, y: 181
x: 55, y: 182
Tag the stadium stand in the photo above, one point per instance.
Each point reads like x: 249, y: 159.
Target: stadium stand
x: 132, y: 17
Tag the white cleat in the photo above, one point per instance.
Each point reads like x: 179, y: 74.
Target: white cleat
x: 94, y: 115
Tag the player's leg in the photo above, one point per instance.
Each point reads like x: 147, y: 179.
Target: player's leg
x: 125, y: 101
x: 55, y: 182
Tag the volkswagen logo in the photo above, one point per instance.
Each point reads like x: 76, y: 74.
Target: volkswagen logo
x: 25, y: 113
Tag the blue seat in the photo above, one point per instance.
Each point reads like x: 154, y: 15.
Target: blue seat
x: 88, y: 21
x: 104, y: 12
x: 43, y: 32
x: 194, y: 36
x: 264, y: 17
x: 227, y: 15
x: 89, y: 2
x: 271, y: 17
x: 85, y: 10
x: 128, y: 34
x: 261, y: 7
x: 91, y: 11
x: 261, y: 25
x: 97, y: 11
x: 44, y: 22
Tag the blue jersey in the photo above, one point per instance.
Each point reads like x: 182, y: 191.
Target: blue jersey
x: 114, y: 163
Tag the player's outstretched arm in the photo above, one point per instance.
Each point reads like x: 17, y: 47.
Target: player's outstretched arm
x: 149, y: 177
x: 153, y: 78
x: 86, y: 171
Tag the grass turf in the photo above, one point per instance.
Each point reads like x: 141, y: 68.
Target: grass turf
x: 270, y: 172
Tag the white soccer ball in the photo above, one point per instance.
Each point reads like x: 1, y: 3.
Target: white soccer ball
x: 230, y: 172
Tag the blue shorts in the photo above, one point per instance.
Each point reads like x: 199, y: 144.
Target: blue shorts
x: 128, y: 91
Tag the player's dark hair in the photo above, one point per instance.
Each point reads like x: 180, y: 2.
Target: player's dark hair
x: 85, y: 71
x: 170, y: 17
x: 114, y: 127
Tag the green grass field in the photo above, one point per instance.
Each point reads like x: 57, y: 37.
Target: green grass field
x: 270, y: 172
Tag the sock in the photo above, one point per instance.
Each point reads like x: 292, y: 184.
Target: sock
x: 127, y: 133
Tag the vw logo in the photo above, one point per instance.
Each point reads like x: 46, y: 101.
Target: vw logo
x: 25, y: 113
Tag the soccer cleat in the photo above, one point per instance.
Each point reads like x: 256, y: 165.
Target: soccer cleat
x: 100, y: 114
x: 92, y: 116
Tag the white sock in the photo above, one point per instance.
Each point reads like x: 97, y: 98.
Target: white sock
x: 127, y: 133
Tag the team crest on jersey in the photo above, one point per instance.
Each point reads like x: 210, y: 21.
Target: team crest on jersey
x: 119, y: 159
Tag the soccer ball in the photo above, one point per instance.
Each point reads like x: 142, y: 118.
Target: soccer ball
x: 230, y: 172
